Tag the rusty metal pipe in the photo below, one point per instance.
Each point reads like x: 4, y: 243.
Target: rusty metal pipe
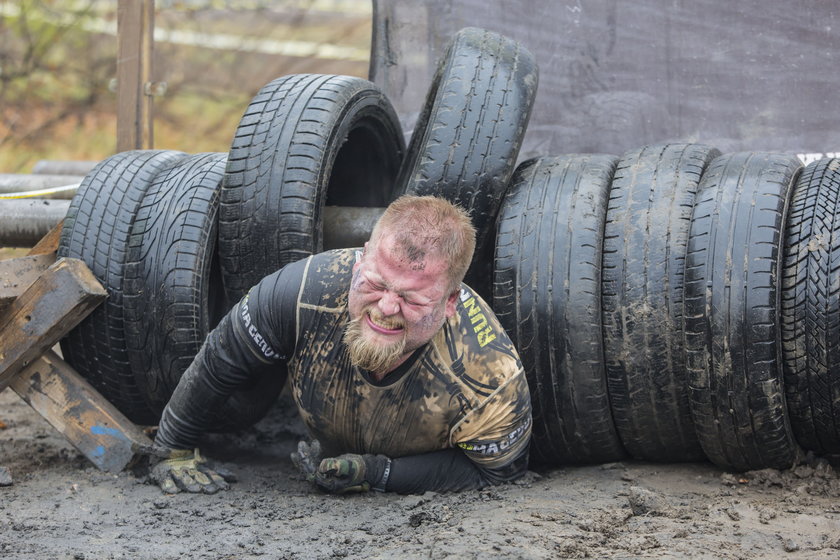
x: 24, y: 222
x: 21, y: 183
x: 60, y: 167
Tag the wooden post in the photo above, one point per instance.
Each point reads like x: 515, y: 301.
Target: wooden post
x: 135, y: 38
x: 48, y: 245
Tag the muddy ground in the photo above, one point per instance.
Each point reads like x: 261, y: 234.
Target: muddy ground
x: 61, y: 507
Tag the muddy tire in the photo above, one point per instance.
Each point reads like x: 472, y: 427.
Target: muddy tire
x: 96, y: 230
x: 645, y: 241
x: 547, y: 295
x: 306, y: 140
x: 173, y: 288
x: 467, y: 138
x: 732, y: 306
x: 811, y: 308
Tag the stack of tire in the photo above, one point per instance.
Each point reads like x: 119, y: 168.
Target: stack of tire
x: 670, y: 304
x: 675, y: 304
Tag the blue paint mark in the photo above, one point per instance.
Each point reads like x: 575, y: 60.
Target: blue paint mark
x: 103, y: 431
x: 99, y: 452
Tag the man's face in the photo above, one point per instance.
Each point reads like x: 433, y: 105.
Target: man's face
x: 397, y: 304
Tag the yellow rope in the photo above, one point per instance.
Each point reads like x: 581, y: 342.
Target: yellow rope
x: 35, y: 194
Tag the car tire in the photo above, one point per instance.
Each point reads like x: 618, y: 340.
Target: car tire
x: 645, y: 241
x: 547, y: 295
x: 306, y: 140
x: 732, y: 305
x: 467, y: 138
x: 96, y: 230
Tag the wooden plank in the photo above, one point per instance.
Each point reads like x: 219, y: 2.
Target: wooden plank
x: 49, y: 243
x: 66, y: 400
x: 49, y: 385
x: 73, y: 407
x: 18, y: 274
x: 55, y: 303
x: 135, y: 39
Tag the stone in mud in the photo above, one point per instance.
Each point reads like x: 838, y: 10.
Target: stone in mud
x: 5, y: 477
x: 645, y: 502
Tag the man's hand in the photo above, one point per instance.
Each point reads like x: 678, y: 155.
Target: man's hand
x: 353, y: 473
x: 186, y: 470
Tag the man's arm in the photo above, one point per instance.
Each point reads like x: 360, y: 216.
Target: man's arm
x: 449, y: 470
x: 251, y: 339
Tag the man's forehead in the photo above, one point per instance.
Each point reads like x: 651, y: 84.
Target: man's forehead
x: 389, y: 254
x: 406, y: 251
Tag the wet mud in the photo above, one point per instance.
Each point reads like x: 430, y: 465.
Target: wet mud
x: 59, y: 506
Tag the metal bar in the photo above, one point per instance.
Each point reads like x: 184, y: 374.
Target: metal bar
x: 348, y: 226
x: 63, y: 167
x: 21, y: 183
x: 24, y: 222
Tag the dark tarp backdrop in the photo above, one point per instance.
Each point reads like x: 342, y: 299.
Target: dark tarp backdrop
x: 748, y: 75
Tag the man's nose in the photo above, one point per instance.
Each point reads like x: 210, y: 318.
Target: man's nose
x: 389, y: 304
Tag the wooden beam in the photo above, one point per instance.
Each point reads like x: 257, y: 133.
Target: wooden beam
x: 18, y: 274
x: 55, y: 303
x: 135, y: 43
x: 46, y: 288
x: 49, y: 243
x: 73, y: 407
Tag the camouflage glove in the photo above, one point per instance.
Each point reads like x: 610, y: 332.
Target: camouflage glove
x: 186, y: 470
x: 353, y: 473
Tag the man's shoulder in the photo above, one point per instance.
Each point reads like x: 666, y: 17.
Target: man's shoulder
x: 478, y: 326
x: 478, y: 351
x: 327, y: 278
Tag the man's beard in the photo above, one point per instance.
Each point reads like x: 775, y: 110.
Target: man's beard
x: 369, y: 355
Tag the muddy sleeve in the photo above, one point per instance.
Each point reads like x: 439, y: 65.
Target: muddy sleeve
x: 491, y: 445
x: 449, y: 470
x: 248, y: 342
x: 495, y: 433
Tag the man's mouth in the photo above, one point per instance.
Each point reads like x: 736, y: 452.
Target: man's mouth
x: 383, y: 327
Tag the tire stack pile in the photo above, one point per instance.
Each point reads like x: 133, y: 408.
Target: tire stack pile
x: 660, y: 309
x: 674, y: 304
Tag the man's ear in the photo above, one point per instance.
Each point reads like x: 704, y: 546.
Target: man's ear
x: 451, y: 303
x: 359, y: 255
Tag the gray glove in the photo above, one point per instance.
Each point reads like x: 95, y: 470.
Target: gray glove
x: 186, y: 470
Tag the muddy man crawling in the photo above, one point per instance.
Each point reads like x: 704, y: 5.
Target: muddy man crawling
x: 403, y: 376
